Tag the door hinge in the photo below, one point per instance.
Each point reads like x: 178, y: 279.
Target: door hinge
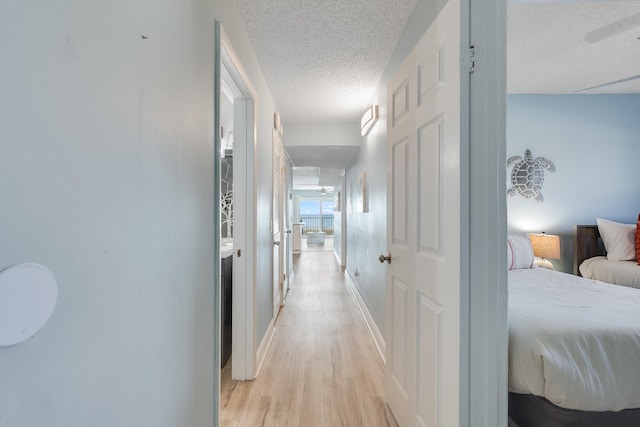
x: 284, y: 277
x: 472, y: 59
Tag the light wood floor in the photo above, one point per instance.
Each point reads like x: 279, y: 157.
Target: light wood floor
x: 322, y: 369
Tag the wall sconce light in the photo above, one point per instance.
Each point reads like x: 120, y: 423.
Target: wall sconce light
x: 545, y: 246
x: 277, y: 124
x: 369, y: 119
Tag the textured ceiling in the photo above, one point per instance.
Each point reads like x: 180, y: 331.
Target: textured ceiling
x: 567, y: 47
x: 333, y: 157
x: 323, y: 59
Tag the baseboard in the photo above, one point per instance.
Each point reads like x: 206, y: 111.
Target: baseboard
x: 292, y: 278
x: 368, y: 319
x: 264, y: 346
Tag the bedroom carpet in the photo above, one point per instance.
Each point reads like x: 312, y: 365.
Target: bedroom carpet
x: 322, y: 368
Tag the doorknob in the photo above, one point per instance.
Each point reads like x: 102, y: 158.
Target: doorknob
x: 277, y: 243
x: 383, y: 258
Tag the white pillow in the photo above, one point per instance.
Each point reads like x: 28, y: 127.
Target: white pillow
x: 619, y: 239
x: 519, y: 252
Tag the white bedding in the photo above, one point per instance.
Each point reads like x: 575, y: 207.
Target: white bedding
x: 624, y: 273
x: 574, y: 341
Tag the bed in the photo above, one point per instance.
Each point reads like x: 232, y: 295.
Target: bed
x: 591, y: 260
x: 574, y: 348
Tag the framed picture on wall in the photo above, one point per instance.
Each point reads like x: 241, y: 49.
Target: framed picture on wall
x: 361, y: 193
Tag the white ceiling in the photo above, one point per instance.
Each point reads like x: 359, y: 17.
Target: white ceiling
x: 319, y: 166
x: 333, y: 157
x: 562, y: 47
x: 323, y: 59
x: 312, y: 178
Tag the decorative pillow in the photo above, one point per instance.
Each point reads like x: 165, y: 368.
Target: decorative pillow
x: 619, y: 239
x: 519, y: 252
x: 638, y: 239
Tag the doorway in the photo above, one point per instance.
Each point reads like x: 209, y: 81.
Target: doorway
x: 235, y: 135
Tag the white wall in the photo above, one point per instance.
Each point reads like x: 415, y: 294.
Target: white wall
x: 106, y: 170
x: 366, y: 232
x: 594, y: 143
x: 106, y: 177
x: 321, y: 134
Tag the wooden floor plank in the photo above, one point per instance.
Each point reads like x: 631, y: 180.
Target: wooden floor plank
x: 323, y: 368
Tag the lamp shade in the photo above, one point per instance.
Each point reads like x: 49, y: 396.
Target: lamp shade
x: 545, y: 245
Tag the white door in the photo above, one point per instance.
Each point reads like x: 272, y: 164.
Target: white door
x: 423, y: 229
x: 277, y: 223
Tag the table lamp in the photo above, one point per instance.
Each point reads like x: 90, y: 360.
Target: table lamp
x: 545, y: 246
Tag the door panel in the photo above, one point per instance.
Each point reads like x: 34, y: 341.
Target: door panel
x: 429, y: 142
x: 423, y: 230
x: 399, y: 200
x: 397, y: 362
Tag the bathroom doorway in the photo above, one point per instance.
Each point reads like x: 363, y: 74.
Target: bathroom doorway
x: 235, y: 156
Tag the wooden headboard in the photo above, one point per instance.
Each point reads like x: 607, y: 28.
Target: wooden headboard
x: 588, y: 245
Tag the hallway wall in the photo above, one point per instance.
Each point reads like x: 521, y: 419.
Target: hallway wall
x: 107, y: 179
x: 106, y: 168
x: 319, y: 134
x: 366, y: 232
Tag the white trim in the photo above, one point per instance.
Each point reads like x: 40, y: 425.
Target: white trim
x: 485, y: 225
x: 368, y: 319
x: 244, y: 335
x: 338, y: 258
x: 217, y: 267
x: 265, y: 345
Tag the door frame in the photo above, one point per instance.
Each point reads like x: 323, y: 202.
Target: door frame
x: 343, y: 220
x: 244, y: 336
x: 277, y: 262
x: 485, y: 274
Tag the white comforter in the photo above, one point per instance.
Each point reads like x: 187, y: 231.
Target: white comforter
x: 574, y: 341
x: 623, y: 273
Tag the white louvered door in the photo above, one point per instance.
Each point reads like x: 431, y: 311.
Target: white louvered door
x: 277, y: 223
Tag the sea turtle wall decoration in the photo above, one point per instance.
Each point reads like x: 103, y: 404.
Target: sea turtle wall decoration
x: 528, y: 175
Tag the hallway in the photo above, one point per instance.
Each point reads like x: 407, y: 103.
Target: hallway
x: 323, y: 368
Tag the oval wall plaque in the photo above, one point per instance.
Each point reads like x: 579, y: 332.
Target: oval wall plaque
x: 28, y: 294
